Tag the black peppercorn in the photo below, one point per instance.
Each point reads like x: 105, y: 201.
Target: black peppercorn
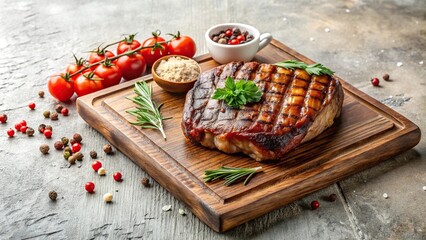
x: 107, y: 149
x: 236, y: 31
x: 386, y: 77
x: 54, y: 116
x: 78, y: 156
x: 44, y: 148
x: 58, y: 108
x: 53, y: 195
x: 58, y: 145
x: 41, y: 94
x: 41, y: 128
x: 145, y: 182
x: 332, y: 197
x: 93, y: 154
x: 30, y: 132
x: 77, y: 137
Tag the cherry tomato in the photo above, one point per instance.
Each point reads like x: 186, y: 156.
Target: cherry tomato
x: 228, y: 32
x: 182, y: 45
x: 87, y: 83
x: 132, y: 66
x: 234, y: 41
x: 99, y: 55
x: 60, y: 87
x: 111, y: 74
x: 241, y: 38
x: 77, y: 66
x: 129, y: 43
x: 157, y: 51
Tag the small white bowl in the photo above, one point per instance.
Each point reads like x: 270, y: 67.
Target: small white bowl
x: 224, y: 53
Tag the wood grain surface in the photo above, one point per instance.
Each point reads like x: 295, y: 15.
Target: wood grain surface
x: 366, y: 133
x: 364, y: 39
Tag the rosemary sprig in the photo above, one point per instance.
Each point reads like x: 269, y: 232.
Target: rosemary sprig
x: 147, y: 112
x: 313, y: 69
x: 230, y: 174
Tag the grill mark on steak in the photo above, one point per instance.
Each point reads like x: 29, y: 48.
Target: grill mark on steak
x: 290, y: 102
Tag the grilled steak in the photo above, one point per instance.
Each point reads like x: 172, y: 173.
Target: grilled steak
x: 295, y: 107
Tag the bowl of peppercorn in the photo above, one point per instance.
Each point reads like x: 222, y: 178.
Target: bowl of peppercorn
x: 229, y: 42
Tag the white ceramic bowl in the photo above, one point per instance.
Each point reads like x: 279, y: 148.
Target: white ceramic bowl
x: 224, y: 53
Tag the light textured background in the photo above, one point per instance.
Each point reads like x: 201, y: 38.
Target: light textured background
x: 366, y: 39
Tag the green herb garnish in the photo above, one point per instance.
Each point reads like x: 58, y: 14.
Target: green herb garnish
x: 237, y: 94
x: 230, y: 174
x: 313, y: 69
x: 147, y: 112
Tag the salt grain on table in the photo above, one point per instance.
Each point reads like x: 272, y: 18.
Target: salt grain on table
x: 311, y: 39
x: 424, y: 188
x: 166, y: 208
x: 421, y: 62
x: 182, y: 212
x: 399, y: 64
x: 327, y: 29
x: 385, y: 195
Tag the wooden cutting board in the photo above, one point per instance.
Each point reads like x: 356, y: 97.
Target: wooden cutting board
x: 366, y: 133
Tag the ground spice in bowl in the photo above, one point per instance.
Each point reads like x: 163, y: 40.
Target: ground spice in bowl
x: 177, y: 69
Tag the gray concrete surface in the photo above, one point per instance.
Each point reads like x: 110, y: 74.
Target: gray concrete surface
x: 365, y: 40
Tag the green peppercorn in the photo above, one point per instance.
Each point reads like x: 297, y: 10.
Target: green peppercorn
x: 46, y: 114
x: 68, y: 149
x: 67, y: 155
x: 65, y: 141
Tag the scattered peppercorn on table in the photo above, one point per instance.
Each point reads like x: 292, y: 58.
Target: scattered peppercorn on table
x: 100, y: 193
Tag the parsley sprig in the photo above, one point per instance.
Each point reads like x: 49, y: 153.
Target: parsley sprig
x: 237, y: 94
x: 230, y: 174
x: 313, y: 69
